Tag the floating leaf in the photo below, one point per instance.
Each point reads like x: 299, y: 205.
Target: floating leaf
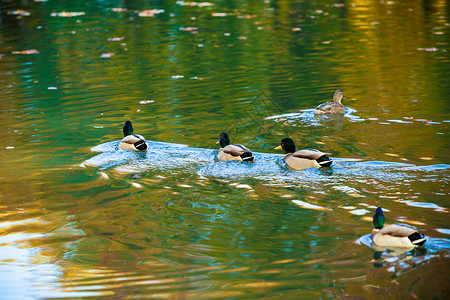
x: 107, y: 55
x: 19, y: 12
x: 31, y: 51
x: 188, y: 28
x: 115, y: 39
x: 150, y: 12
x: 219, y: 14
x: 119, y: 9
x: 199, y: 4
x: 66, y: 14
x: 428, y: 49
x: 146, y: 101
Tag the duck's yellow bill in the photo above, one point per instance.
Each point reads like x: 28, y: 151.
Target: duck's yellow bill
x: 217, y: 142
x: 279, y: 147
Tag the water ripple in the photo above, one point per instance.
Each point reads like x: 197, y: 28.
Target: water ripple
x: 432, y: 245
x: 308, y: 117
x: 270, y: 167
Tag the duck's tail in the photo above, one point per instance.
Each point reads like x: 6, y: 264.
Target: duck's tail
x: 417, y: 239
x: 324, y: 161
x: 247, y: 156
x: 141, y: 145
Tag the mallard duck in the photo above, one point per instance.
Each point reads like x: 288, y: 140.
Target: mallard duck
x: 394, y: 235
x: 232, y: 152
x: 303, y: 159
x: 332, y: 107
x: 132, y: 141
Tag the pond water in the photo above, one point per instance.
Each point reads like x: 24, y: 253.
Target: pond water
x: 81, y: 219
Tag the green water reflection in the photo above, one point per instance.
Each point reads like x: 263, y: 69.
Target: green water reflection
x: 173, y: 223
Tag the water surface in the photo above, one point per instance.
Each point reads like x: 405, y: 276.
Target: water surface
x: 82, y: 219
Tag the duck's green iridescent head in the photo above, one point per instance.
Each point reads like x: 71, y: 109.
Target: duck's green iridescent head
x: 378, y: 218
x: 224, y: 140
x: 288, y: 145
x: 127, y: 129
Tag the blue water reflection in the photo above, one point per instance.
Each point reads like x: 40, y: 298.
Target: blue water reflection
x: 400, y: 260
x: 270, y: 167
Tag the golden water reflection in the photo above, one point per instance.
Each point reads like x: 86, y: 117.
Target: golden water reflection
x: 175, y: 223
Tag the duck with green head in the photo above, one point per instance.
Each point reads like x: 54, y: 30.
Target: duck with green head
x: 303, y: 159
x: 132, y: 141
x: 232, y: 152
x: 394, y: 235
x: 332, y: 107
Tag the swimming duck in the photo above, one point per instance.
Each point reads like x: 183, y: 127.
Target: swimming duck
x: 332, y: 107
x: 132, y: 141
x: 303, y: 159
x: 232, y: 152
x: 394, y: 235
